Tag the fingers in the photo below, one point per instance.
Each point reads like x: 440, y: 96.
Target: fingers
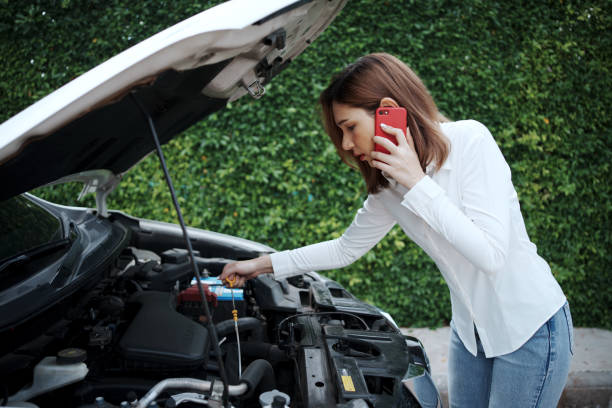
x: 402, y: 139
x: 410, y: 139
x: 233, y: 276
x: 398, y: 133
x: 230, y: 280
x: 382, y: 166
x: 230, y: 276
x: 384, y: 142
x: 228, y: 272
x: 233, y: 280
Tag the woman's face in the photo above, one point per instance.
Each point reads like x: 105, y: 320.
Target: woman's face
x: 357, y: 126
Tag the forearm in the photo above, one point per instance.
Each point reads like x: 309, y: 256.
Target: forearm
x: 370, y: 225
x: 334, y: 254
x: 262, y: 265
x: 316, y: 257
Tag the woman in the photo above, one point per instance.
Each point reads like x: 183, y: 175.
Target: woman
x: 449, y: 188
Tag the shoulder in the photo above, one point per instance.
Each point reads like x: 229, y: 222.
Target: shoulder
x: 466, y: 132
x: 472, y: 143
x: 471, y: 140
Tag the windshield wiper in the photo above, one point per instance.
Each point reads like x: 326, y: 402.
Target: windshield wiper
x: 35, y: 253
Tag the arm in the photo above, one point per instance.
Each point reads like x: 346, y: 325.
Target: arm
x: 371, y: 224
x: 481, y: 231
x: 239, y: 272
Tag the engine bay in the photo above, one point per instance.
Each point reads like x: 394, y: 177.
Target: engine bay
x: 304, y: 340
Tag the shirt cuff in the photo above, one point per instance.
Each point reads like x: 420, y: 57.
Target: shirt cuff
x: 419, y: 197
x: 281, y: 265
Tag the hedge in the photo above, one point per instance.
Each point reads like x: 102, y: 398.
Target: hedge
x: 536, y: 73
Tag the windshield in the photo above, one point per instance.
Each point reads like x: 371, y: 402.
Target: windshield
x: 25, y: 226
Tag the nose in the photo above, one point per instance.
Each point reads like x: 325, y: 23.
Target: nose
x: 347, y: 142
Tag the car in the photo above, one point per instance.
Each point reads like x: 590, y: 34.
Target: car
x: 99, y: 308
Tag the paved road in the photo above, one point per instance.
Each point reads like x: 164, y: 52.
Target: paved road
x: 590, y: 379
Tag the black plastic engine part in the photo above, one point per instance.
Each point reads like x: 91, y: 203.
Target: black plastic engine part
x: 170, y: 273
x: 417, y: 353
x: 316, y: 386
x: 160, y: 337
x: 279, y: 402
x: 270, y: 295
x: 142, y: 271
x: 100, y: 336
x: 213, y: 265
x: 71, y: 356
x: 368, y: 365
x: 177, y: 267
x: 176, y: 255
x: 111, y: 306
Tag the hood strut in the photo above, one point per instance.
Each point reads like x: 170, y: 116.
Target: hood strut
x: 211, y: 326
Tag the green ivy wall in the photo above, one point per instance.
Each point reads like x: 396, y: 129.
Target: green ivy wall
x: 536, y: 73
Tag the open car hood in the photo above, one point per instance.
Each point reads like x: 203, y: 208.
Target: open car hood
x: 92, y: 129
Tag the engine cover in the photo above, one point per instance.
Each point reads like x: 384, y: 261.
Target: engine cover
x: 161, y: 338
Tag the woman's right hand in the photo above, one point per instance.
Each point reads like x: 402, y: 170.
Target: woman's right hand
x: 239, y: 272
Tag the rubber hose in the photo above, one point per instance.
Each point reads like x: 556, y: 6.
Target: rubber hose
x: 258, y: 375
x: 267, y: 351
x: 250, y: 350
x: 252, y: 324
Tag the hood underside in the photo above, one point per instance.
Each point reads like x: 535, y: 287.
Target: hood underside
x: 180, y: 76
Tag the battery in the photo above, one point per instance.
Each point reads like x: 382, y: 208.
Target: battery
x: 223, y: 310
x: 222, y: 292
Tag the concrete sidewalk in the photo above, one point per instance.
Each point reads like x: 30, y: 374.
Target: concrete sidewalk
x: 589, y: 384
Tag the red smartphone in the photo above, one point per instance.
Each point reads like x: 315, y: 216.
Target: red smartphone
x: 394, y: 117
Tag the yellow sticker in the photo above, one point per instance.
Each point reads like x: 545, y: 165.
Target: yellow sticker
x: 348, y: 383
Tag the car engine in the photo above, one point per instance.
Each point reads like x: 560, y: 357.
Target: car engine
x: 139, y: 337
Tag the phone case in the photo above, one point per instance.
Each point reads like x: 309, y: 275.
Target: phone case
x: 394, y: 117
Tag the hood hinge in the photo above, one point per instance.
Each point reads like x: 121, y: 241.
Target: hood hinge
x: 102, y: 182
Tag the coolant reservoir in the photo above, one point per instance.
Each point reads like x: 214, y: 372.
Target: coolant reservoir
x: 53, y: 373
x: 274, y: 399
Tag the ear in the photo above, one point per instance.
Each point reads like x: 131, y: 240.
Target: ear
x: 388, y: 103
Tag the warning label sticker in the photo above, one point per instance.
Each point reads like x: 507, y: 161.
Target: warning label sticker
x: 347, y: 381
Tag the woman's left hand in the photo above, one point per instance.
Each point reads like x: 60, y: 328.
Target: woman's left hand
x: 402, y: 162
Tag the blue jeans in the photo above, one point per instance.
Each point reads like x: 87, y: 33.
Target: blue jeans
x: 532, y: 376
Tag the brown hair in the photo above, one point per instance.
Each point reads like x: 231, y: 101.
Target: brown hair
x: 363, y: 84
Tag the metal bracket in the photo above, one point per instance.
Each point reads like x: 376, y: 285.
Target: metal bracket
x: 189, y: 397
x: 255, y: 89
x: 216, y: 394
x: 102, y: 182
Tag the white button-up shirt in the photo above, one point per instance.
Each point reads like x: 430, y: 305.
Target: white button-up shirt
x: 466, y: 217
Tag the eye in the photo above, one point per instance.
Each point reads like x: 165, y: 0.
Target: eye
x: 351, y: 127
